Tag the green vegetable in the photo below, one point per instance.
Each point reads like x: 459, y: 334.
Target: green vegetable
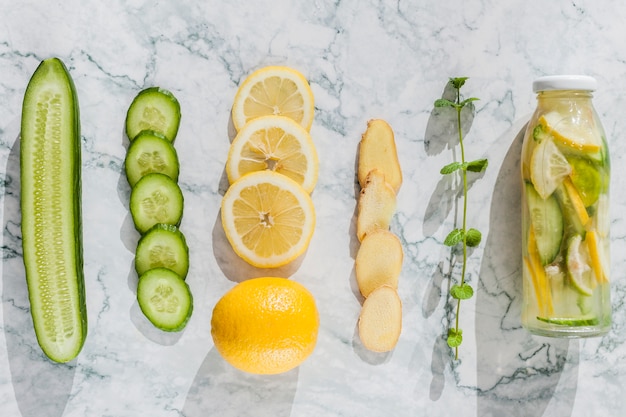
x: 165, y: 299
x: 547, y: 223
x: 50, y: 164
x: 156, y: 198
x: 162, y: 246
x: 468, y: 237
x: 153, y: 109
x: 150, y: 152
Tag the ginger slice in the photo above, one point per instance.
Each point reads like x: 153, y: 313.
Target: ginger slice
x: 378, y: 261
x: 376, y: 206
x: 380, y: 321
x: 377, y: 150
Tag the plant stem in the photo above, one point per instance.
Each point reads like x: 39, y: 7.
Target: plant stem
x: 465, y: 192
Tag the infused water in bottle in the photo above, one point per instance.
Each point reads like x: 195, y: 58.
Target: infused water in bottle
x: 565, y: 212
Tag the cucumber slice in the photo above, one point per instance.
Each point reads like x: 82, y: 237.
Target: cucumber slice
x: 547, y: 223
x: 153, y: 109
x: 50, y: 169
x: 163, y: 246
x: 150, y: 152
x: 572, y: 322
x: 165, y: 299
x: 156, y: 198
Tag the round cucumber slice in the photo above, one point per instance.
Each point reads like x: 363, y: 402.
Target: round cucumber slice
x: 163, y: 246
x: 156, y: 198
x: 155, y: 109
x: 165, y: 299
x: 150, y: 152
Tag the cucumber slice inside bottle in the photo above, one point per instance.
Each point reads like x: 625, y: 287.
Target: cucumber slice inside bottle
x: 153, y: 109
x: 156, y: 198
x: 150, y: 152
x: 163, y: 246
x: 547, y: 223
x: 165, y: 299
x: 586, y: 178
x: 50, y: 170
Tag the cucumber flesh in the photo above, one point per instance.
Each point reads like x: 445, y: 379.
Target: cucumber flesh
x: 153, y: 109
x: 163, y: 246
x: 165, y: 299
x: 547, y: 223
x: 50, y: 170
x: 150, y: 152
x: 156, y: 198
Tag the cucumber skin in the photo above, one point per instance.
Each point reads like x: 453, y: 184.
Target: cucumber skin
x: 130, y: 133
x: 145, y: 308
x: 554, y: 225
x: 166, y: 228
x: 57, y: 66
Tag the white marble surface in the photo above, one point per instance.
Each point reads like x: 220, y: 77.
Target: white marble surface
x: 364, y: 59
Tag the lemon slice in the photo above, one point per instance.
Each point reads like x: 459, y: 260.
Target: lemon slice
x: 576, y: 134
x: 548, y: 168
x: 268, y: 218
x: 597, y: 258
x: 276, y: 90
x: 578, y: 266
x: 275, y: 143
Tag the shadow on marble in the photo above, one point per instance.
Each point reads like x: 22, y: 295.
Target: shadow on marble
x: 366, y: 355
x: 517, y: 373
x: 41, y: 386
x: 219, y: 389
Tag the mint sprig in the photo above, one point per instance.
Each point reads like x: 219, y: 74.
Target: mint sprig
x: 468, y: 237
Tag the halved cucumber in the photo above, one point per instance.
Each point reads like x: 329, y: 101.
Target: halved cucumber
x: 165, y: 299
x: 547, y: 223
x: 153, y: 109
x: 162, y: 246
x: 150, y: 152
x: 50, y: 169
x: 156, y: 198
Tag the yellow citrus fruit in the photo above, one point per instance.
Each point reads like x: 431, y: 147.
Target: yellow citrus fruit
x: 265, y: 325
x: 276, y: 90
x: 579, y: 266
x: 275, y: 143
x: 548, y: 168
x: 268, y: 218
x: 570, y: 132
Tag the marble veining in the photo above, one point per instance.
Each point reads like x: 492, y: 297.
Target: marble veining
x: 364, y: 59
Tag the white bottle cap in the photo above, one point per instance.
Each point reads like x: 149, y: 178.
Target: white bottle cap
x: 564, y: 82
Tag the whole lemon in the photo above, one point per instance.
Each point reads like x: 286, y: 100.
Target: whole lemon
x: 265, y: 325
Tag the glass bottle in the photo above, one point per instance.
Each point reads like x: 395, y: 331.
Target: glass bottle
x: 565, y: 212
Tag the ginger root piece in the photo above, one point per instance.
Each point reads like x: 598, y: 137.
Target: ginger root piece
x: 380, y: 321
x: 376, y: 206
x: 378, y: 261
x: 377, y: 150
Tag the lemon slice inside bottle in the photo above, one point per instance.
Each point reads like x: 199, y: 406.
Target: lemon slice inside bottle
x: 577, y: 134
x: 548, y: 168
x: 579, y: 266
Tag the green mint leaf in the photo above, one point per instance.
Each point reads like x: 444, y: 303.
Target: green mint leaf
x: 458, y: 82
x: 473, y: 237
x: 454, y: 237
x: 450, y: 168
x: 468, y: 100
x: 455, y: 337
x: 442, y: 102
x: 540, y: 133
x: 477, y: 165
x: 462, y: 292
